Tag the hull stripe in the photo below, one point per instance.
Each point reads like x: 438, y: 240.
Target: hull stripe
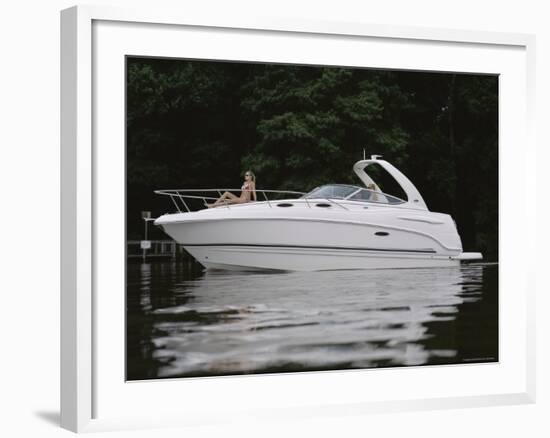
x: 345, y: 248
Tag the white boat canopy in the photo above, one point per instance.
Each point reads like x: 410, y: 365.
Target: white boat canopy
x: 414, y: 199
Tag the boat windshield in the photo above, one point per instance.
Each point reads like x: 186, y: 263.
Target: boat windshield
x: 352, y: 193
x: 335, y: 191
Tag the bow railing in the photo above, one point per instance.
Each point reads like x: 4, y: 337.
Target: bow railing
x: 179, y: 197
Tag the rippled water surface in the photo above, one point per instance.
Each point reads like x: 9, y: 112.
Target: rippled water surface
x: 182, y: 321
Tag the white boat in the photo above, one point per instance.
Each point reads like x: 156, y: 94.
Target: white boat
x: 333, y: 227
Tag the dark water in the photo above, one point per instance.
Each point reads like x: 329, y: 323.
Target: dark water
x: 182, y: 321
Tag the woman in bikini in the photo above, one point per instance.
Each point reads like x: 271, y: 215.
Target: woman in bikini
x: 248, y: 192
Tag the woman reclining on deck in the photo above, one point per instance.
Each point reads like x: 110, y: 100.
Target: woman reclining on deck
x: 248, y: 192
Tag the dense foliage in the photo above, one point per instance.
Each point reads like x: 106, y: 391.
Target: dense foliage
x: 193, y: 124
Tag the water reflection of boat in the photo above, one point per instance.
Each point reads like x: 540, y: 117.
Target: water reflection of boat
x: 242, y: 323
x: 332, y: 227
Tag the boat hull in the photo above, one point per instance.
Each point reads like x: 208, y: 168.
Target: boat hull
x: 308, y: 243
x: 238, y: 257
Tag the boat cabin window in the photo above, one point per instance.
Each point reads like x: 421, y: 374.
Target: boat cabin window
x: 374, y: 196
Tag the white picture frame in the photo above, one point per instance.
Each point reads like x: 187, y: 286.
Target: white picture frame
x: 85, y: 313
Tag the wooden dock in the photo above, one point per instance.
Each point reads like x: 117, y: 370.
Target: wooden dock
x: 158, y: 249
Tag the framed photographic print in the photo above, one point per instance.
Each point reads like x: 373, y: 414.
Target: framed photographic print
x: 253, y: 208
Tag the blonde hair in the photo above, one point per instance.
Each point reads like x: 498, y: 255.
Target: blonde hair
x: 251, y: 175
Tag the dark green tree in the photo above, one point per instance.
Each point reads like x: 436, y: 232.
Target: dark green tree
x: 312, y: 123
